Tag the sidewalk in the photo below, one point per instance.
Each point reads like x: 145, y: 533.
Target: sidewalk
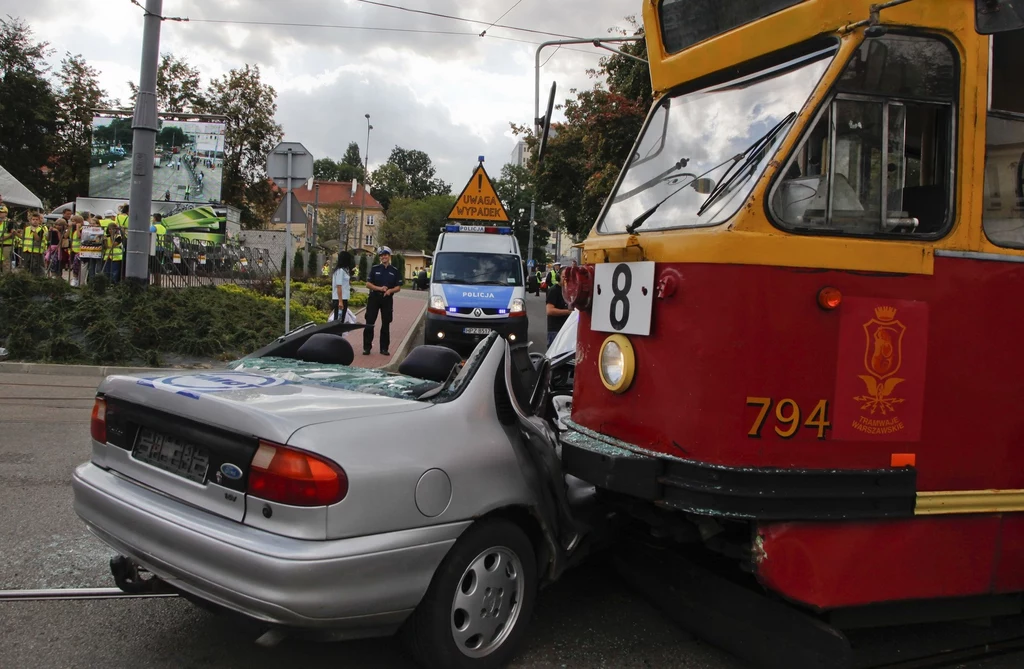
x: 409, y: 304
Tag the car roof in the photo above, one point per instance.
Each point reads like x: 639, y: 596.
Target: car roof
x: 477, y: 242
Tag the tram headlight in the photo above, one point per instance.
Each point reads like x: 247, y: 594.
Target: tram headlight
x: 617, y: 363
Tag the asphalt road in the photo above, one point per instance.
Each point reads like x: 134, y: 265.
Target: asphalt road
x: 588, y: 619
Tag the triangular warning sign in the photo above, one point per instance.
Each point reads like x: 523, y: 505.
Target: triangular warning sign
x: 478, y: 201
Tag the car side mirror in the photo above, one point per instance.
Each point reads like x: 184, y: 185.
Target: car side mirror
x: 998, y: 16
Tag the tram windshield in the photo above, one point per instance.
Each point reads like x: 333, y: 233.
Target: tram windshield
x: 700, y: 152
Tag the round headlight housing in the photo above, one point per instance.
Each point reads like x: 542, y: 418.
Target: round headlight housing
x: 617, y: 363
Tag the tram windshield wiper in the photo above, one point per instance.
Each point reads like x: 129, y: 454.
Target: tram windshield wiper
x: 696, y: 181
x: 747, y: 156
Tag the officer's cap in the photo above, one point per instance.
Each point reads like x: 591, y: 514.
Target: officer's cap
x: 384, y: 250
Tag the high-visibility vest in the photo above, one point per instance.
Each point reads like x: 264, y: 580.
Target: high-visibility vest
x: 112, y: 251
x: 552, y: 278
x: 122, y: 220
x: 29, y: 243
x: 104, y: 222
x: 4, y: 230
x: 76, y: 240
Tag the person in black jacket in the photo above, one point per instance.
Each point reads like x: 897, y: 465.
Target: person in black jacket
x: 383, y: 282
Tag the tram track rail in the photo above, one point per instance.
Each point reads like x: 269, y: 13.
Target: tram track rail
x: 65, y: 594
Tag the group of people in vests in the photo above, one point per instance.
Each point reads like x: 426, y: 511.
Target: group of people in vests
x: 38, y: 247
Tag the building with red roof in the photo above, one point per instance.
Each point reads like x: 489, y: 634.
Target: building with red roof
x: 339, y: 205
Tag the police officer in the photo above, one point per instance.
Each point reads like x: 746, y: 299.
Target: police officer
x: 383, y: 282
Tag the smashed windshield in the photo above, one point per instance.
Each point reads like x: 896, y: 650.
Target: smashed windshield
x: 478, y: 269
x: 700, y: 153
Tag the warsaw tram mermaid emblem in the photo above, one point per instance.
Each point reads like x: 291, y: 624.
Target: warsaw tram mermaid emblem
x: 882, y: 358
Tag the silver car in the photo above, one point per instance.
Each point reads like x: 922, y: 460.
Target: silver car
x: 318, y: 496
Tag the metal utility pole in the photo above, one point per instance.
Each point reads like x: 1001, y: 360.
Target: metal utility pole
x: 599, y: 42
x: 144, y: 127
x: 316, y: 221
x: 366, y: 169
x: 342, y: 231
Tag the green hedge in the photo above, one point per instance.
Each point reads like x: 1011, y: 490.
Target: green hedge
x: 46, y: 320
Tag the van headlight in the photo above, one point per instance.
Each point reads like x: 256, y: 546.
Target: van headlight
x: 617, y: 363
x: 438, y: 302
x: 518, y: 306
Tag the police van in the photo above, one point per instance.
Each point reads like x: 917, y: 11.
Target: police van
x: 476, y: 287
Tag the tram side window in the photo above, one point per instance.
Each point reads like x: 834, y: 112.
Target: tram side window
x: 1003, y: 208
x: 883, y: 143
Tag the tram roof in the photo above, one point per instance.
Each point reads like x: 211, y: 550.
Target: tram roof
x: 792, y: 22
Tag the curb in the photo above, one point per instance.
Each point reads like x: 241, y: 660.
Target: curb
x: 408, y: 342
x: 76, y: 370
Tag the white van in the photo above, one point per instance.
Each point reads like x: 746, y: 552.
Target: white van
x: 476, y: 287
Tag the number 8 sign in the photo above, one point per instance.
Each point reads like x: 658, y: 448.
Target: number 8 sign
x: 623, y: 298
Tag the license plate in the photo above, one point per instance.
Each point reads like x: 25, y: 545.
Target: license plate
x: 477, y: 331
x: 172, y: 455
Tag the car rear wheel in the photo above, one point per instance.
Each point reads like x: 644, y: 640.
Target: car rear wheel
x: 477, y: 607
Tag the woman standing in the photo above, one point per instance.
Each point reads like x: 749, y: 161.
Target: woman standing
x: 341, y: 284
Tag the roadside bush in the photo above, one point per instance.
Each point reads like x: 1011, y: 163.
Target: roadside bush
x: 45, y: 320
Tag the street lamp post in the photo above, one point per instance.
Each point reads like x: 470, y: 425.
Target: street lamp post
x: 366, y: 169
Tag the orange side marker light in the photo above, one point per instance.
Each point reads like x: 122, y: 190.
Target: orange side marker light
x: 903, y: 460
x: 829, y: 298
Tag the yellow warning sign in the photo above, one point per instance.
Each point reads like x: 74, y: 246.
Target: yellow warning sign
x: 479, y: 201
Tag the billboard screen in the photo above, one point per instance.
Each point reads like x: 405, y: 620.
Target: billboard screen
x: 187, y: 167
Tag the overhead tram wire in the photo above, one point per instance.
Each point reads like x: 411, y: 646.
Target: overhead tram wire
x: 422, y: 31
x: 465, y: 20
x: 518, y: 2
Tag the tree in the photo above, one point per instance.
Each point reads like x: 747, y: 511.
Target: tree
x: 415, y: 224
x: 80, y: 93
x: 171, y: 136
x: 28, y: 106
x: 178, y: 86
x: 388, y: 182
x: 325, y: 169
x: 352, y: 156
x: 364, y: 266
x: 515, y: 188
x: 408, y: 173
x: 584, y: 158
x: 298, y: 267
x: 252, y: 132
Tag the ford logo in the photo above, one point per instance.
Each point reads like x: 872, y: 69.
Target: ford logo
x: 487, y: 296
x: 231, y: 471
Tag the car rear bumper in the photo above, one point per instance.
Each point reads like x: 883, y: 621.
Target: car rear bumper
x: 454, y: 329
x: 363, y: 586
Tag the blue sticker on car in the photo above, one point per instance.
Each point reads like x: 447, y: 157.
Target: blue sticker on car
x: 195, y: 385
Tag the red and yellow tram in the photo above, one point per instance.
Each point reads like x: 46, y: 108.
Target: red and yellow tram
x: 800, y: 324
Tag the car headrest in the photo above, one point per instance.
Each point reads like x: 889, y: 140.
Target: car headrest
x: 326, y: 349
x: 432, y: 363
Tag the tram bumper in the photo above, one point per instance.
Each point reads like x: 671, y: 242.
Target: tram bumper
x: 767, y: 494
x: 359, y: 587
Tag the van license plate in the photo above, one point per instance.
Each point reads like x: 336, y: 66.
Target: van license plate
x: 477, y: 331
x: 172, y: 455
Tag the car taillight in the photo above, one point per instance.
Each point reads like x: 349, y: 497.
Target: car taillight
x: 289, y: 476
x: 98, y: 424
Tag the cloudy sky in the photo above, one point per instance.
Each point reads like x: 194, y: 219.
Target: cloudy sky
x: 451, y: 95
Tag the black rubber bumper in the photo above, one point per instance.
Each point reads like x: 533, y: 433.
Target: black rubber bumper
x: 739, y: 492
x: 455, y: 335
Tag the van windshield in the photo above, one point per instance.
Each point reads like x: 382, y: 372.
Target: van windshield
x: 478, y: 269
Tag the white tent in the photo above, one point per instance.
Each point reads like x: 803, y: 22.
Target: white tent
x: 15, y: 192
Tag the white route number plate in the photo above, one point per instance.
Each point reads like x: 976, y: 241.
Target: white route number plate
x: 623, y: 298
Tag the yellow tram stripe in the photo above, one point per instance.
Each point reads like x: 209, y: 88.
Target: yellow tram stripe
x: 968, y: 501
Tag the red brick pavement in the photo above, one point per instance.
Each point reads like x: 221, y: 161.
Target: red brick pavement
x: 408, y: 305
